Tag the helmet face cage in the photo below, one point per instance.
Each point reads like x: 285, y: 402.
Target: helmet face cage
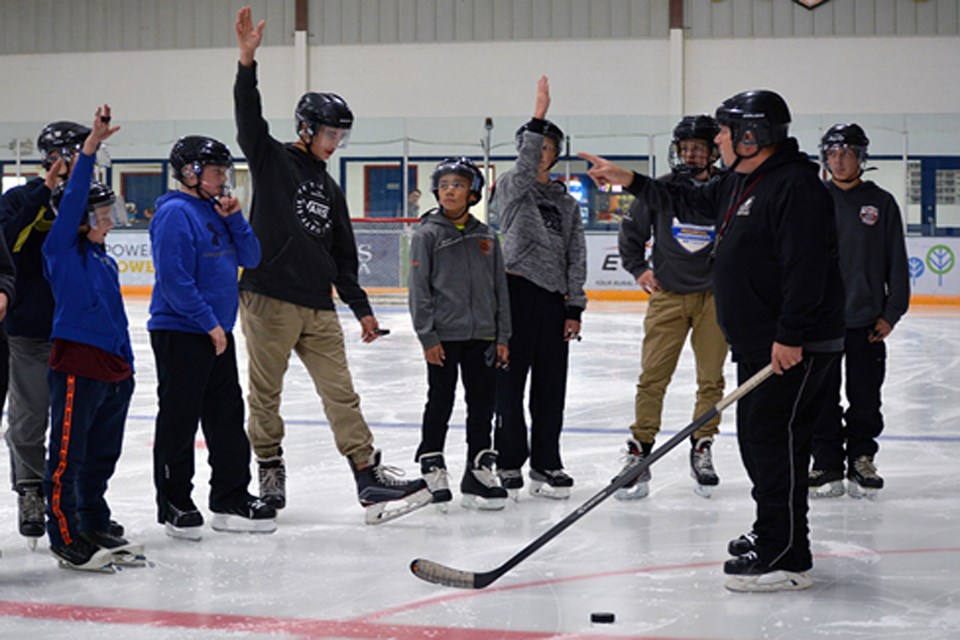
x: 702, y: 127
x: 462, y: 167
x: 762, y: 113
x: 318, y: 110
x: 100, y: 196
x: 849, y: 136
x: 191, y: 154
x: 63, y: 137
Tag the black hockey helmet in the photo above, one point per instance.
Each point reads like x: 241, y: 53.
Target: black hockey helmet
x: 315, y: 110
x: 550, y: 130
x: 762, y: 112
x: 190, y: 154
x: 849, y: 135
x: 101, y: 195
x: 700, y: 127
x: 64, y: 137
x: 462, y: 167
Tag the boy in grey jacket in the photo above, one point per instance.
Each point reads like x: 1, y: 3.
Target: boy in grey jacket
x: 461, y: 313
x: 546, y: 263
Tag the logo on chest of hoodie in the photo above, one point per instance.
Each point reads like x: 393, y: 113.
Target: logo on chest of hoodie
x: 869, y: 215
x: 312, y: 207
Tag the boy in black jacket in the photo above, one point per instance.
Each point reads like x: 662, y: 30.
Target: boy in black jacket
x: 779, y: 302
x: 873, y: 263
x: 300, y: 217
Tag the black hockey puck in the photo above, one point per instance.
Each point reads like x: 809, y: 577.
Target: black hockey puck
x: 603, y: 617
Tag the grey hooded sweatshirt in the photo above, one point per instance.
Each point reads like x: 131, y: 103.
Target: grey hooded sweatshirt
x: 542, y: 229
x: 458, y: 287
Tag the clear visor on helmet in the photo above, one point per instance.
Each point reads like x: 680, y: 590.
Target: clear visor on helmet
x: 216, y: 180
x: 109, y: 216
x: 49, y: 158
x: 837, y: 151
x: 335, y: 136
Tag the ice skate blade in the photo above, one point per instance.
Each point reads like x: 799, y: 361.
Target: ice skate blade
x: 479, y: 503
x: 230, y: 523
x: 442, y: 507
x: 830, y: 490
x: 704, y: 490
x: 194, y: 534
x: 858, y: 492
x: 636, y: 492
x: 769, y: 582
x: 378, y: 513
x: 514, y: 494
x: 127, y: 559
x: 544, y: 490
x: 32, y: 543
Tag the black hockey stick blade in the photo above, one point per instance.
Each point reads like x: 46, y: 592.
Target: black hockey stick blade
x: 437, y: 573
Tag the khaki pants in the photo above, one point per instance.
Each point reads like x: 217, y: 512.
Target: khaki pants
x: 670, y: 317
x: 273, y: 328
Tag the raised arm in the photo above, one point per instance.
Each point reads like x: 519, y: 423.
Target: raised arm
x: 249, y: 37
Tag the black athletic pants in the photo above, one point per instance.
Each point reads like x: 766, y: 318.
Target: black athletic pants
x: 844, y: 436
x: 537, y: 348
x: 474, y: 360
x: 196, y: 386
x: 775, y: 425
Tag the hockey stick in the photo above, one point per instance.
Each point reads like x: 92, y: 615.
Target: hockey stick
x: 440, y: 574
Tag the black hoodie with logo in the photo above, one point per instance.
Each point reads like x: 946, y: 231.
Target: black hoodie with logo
x: 299, y: 215
x: 776, y: 274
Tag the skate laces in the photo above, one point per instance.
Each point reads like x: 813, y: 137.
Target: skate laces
x: 272, y: 479
x: 32, y: 507
x: 703, y: 459
x: 865, y: 467
x: 389, y: 475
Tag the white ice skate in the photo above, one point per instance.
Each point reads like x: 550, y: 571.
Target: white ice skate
x: 553, y: 483
x: 704, y: 476
x: 773, y: 581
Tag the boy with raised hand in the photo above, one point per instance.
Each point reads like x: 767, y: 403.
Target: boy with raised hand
x: 545, y: 256
x: 460, y: 308
x: 91, y: 368
x: 200, y: 239
x: 300, y: 216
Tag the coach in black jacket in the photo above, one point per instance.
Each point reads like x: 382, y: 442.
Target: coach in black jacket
x: 779, y: 301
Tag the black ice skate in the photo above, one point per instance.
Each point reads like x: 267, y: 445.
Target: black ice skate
x: 30, y: 513
x: 249, y: 515
x: 480, y: 486
x: 639, y: 488
x: 182, y: 524
x: 862, y: 478
x: 747, y: 573
x: 273, y: 481
x: 384, y: 495
x: 550, y: 483
x: 512, y: 481
x: 743, y: 545
x: 125, y: 553
x: 81, y: 555
x: 434, y: 472
x: 701, y: 467
x: 825, y: 484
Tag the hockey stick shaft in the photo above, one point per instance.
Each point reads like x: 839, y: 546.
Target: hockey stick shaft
x: 440, y: 574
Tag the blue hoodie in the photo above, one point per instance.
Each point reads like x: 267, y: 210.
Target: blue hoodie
x: 84, y: 279
x: 196, y: 253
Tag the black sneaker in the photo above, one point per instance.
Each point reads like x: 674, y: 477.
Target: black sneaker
x: 252, y: 515
x: 183, y: 524
x: 825, y: 483
x: 743, y: 545
x: 31, y: 511
x: 82, y: 555
x: 273, y: 481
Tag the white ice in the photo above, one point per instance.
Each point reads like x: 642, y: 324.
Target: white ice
x: 884, y: 569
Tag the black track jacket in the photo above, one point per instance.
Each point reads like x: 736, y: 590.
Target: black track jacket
x: 776, y: 275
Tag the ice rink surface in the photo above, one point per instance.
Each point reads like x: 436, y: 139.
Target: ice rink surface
x: 884, y: 569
